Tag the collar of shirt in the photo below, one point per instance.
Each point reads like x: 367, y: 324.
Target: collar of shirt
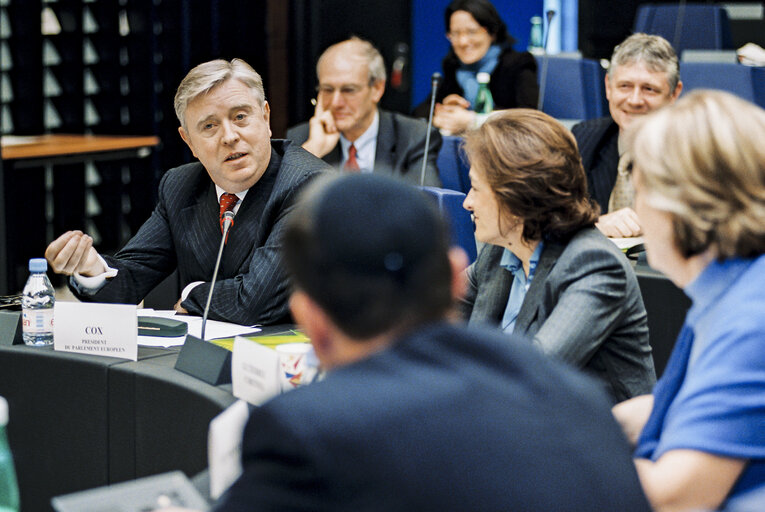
x: 512, y: 264
x: 366, y: 146
x: 240, y: 195
x: 711, y: 284
x: 620, y: 144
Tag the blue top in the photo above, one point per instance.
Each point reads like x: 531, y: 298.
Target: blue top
x: 711, y: 397
x: 521, y: 283
x: 467, y: 73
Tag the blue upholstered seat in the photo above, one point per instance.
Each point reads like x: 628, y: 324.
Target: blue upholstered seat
x: 450, y: 205
x: 452, y: 165
x: 573, y: 88
x: 701, y: 26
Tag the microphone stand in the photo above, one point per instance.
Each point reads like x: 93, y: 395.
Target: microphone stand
x: 228, y: 221
x: 543, y: 78
x: 434, y: 81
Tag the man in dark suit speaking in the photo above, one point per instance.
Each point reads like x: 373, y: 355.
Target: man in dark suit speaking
x: 351, y: 133
x: 416, y: 413
x: 225, y: 121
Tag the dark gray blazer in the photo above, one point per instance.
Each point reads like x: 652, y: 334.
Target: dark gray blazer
x: 583, y: 307
x: 598, y: 141
x: 183, y: 232
x: 400, y: 148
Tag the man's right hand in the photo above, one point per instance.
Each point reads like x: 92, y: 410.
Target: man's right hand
x: 622, y: 223
x: 322, y: 132
x: 73, y: 252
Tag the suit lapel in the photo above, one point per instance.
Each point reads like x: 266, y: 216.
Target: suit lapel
x: 204, y: 230
x: 533, y: 301
x: 492, y: 301
x: 385, y: 152
x: 244, y: 234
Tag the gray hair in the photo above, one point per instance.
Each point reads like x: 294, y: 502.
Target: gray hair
x: 207, y: 76
x: 357, y: 47
x: 654, y: 51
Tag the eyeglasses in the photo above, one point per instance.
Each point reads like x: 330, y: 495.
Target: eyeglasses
x: 470, y: 33
x: 348, y: 90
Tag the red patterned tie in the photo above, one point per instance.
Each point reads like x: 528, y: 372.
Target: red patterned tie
x: 351, y: 165
x: 227, y: 203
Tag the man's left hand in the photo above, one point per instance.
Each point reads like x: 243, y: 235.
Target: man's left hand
x: 622, y: 223
x: 178, y: 308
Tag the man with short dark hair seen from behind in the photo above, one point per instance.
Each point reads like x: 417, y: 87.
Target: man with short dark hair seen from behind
x: 224, y: 119
x: 350, y: 132
x: 416, y: 413
x: 643, y: 76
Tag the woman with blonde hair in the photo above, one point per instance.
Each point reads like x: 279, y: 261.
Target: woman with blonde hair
x: 699, y: 170
x: 546, y: 271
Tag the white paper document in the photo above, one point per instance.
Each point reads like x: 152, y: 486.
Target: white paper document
x: 214, y: 330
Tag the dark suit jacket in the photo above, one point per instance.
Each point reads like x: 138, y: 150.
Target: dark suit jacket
x: 400, y: 148
x: 583, y: 307
x: 183, y: 232
x: 598, y: 141
x: 446, y: 419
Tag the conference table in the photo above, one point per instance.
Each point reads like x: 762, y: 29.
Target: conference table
x: 79, y: 421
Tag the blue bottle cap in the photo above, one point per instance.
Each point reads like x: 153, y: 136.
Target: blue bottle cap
x: 38, y: 265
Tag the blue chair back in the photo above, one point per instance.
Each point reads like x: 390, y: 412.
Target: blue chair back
x: 703, y: 26
x: 734, y: 78
x: 453, y: 167
x: 450, y: 205
x: 758, y: 83
x: 573, y: 87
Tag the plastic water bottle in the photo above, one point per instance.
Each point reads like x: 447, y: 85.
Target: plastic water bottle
x: 9, y: 487
x: 535, y: 36
x: 484, y: 102
x: 37, y: 305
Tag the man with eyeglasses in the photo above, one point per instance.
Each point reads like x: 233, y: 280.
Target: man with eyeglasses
x: 349, y: 131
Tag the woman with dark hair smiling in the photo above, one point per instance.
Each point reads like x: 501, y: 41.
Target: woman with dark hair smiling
x: 545, y: 270
x: 480, y: 43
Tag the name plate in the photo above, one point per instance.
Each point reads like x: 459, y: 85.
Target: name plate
x: 254, y: 371
x: 96, y: 329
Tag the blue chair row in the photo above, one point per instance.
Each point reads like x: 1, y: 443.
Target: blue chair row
x: 743, y: 81
x: 450, y: 205
x: 686, y: 26
x: 573, y: 87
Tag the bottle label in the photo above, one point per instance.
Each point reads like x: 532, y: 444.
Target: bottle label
x: 37, y: 321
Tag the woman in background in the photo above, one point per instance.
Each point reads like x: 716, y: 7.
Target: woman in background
x: 546, y: 272
x: 480, y: 43
x: 699, y: 172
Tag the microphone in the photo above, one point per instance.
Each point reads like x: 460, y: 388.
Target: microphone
x: 435, y: 81
x: 543, y: 75
x: 228, y: 221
